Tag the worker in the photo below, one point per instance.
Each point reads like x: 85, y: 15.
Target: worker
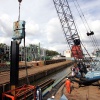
x: 73, y: 71
x: 52, y: 98
x: 68, y: 85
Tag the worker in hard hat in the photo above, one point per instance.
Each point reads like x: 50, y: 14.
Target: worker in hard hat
x: 68, y: 85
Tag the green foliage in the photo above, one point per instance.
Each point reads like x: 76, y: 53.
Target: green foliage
x: 3, y: 56
x: 2, y: 45
x: 51, y: 53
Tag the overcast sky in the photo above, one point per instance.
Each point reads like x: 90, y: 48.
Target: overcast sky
x: 42, y: 23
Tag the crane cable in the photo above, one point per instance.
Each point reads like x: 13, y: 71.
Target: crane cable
x: 85, y: 19
x: 93, y: 38
x: 19, y: 12
x: 87, y: 31
x: 84, y: 24
x: 26, y: 63
x: 81, y: 17
x: 83, y: 45
x: 24, y: 47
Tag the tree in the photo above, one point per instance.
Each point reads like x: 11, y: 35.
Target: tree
x: 51, y: 53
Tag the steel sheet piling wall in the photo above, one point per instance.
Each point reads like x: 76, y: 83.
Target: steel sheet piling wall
x: 14, y: 68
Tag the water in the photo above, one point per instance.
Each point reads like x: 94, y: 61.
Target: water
x: 57, y: 75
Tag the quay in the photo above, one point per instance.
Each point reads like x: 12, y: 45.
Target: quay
x: 34, y: 73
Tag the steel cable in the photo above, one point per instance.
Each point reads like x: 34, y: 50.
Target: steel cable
x: 24, y: 50
x: 94, y: 43
x: 93, y: 39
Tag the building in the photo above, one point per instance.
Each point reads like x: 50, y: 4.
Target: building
x: 67, y: 53
x: 33, y: 52
x: 4, y: 53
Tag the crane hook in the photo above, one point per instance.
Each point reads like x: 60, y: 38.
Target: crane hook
x: 20, y: 1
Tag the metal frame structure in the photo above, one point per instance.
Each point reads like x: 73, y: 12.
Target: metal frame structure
x: 66, y: 19
x: 67, y: 22
x: 26, y: 92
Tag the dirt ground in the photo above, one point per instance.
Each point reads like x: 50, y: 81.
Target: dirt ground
x: 5, y: 76
x: 80, y: 93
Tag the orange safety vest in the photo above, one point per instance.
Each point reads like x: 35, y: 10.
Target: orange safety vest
x: 68, y: 85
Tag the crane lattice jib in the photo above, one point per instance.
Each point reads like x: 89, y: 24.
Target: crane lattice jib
x: 67, y: 21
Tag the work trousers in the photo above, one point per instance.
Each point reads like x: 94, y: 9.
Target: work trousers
x: 68, y: 86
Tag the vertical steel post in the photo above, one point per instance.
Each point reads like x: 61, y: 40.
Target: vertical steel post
x: 14, y: 67
x: 39, y: 52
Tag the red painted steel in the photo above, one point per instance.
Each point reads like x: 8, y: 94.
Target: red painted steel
x: 23, y: 92
x: 77, y: 51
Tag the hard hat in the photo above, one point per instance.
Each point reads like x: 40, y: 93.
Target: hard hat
x: 53, y: 97
x: 67, y: 78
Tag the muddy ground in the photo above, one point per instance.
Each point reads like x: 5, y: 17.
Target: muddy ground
x: 79, y: 93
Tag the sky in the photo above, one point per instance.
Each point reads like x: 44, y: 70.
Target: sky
x: 43, y: 25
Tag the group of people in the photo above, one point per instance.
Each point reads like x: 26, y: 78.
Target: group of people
x: 79, y: 69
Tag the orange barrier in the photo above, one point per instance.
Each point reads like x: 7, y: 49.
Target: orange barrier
x: 23, y: 93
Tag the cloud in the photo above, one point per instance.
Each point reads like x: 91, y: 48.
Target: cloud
x: 93, y: 26
x: 58, y: 47
x: 6, y: 40
x: 43, y: 25
x: 5, y: 25
x: 32, y: 28
x: 30, y: 41
x: 54, y: 32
